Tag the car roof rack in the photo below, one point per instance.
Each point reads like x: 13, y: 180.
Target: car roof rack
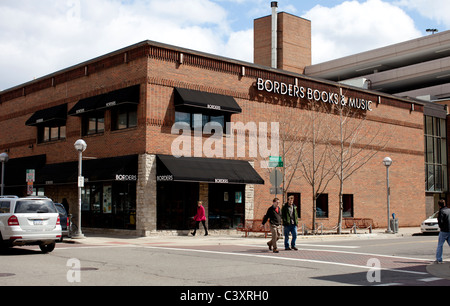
x: 9, y: 197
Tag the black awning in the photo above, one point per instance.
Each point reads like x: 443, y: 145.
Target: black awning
x: 86, y: 105
x: 186, y: 98
x: 123, y: 168
x: 129, y: 95
x: 53, y: 116
x: 208, y: 170
x: 16, y: 169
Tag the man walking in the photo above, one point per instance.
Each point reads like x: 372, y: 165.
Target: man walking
x: 444, y: 225
x: 290, y: 220
x: 274, y: 214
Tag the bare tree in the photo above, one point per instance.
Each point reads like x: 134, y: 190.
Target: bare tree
x: 304, y: 140
x: 352, y: 145
x: 291, y: 144
x: 313, y: 164
x: 322, y: 141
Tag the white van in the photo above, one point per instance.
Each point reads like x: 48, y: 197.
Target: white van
x: 29, y: 221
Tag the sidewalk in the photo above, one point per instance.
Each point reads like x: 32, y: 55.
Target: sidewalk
x: 212, y: 239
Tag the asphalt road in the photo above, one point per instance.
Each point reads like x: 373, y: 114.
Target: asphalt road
x: 239, y: 263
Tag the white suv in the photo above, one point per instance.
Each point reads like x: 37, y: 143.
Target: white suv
x: 29, y: 221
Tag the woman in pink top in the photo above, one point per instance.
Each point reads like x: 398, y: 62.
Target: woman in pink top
x: 200, y: 217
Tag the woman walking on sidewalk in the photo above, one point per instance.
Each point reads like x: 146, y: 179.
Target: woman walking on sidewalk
x: 200, y: 217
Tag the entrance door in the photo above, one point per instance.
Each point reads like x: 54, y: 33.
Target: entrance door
x: 177, y: 204
x: 226, y: 205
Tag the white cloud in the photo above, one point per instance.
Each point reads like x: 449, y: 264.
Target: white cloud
x: 240, y: 46
x: 437, y: 10
x: 40, y: 37
x: 354, y: 27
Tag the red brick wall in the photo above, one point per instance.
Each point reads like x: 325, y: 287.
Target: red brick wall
x: 294, y: 42
x: 404, y: 128
x: 21, y: 140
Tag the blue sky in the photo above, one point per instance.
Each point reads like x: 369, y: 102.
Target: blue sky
x: 41, y: 37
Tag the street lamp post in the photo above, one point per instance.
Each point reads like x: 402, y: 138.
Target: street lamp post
x: 80, y: 146
x: 3, y: 159
x: 388, y: 162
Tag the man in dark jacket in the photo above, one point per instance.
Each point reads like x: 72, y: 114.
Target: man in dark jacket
x: 274, y: 215
x: 290, y: 221
x: 444, y: 225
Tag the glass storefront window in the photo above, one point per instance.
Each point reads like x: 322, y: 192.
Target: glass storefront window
x: 183, y: 117
x: 109, y: 205
x: 197, y: 120
x: 226, y: 205
x: 435, y: 154
x: 177, y: 205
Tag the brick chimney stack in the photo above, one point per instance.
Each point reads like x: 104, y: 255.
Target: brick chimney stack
x: 293, y: 41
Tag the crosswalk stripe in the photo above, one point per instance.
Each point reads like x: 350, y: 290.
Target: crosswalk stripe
x: 430, y: 279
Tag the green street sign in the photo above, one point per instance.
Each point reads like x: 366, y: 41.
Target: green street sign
x: 275, y: 161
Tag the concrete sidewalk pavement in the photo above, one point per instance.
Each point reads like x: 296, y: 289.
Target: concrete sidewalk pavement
x: 217, y: 239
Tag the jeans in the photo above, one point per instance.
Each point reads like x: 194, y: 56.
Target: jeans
x: 443, y: 237
x: 276, y: 234
x: 293, y: 230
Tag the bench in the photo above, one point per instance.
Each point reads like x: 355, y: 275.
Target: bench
x: 254, y: 226
x: 359, y: 222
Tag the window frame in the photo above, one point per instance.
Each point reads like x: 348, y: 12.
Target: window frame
x: 322, y: 201
x: 130, y: 111
x: 45, y: 134
x: 435, y: 143
x: 86, y: 120
x: 206, y: 118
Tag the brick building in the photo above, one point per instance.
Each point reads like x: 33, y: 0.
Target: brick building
x: 125, y: 106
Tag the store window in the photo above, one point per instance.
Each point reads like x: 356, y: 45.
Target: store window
x: 124, y: 117
x: 197, y: 108
x: 226, y: 206
x: 177, y: 205
x: 109, y: 205
x: 93, y: 124
x: 48, y: 134
x: 198, y: 121
x: 322, y: 206
x: 348, y: 205
x: 435, y: 154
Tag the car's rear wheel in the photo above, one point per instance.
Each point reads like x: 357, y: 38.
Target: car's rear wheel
x: 47, y: 248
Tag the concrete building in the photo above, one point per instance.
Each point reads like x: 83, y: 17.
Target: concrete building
x: 415, y: 68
